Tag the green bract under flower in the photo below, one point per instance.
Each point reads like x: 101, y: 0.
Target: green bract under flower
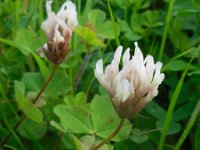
x: 132, y: 87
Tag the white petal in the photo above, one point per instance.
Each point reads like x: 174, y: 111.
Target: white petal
x: 117, y: 56
x: 151, y: 94
x: 138, y: 54
x: 72, y: 21
x: 109, y: 73
x: 150, y: 67
x: 62, y: 13
x: 140, y: 78
x: 49, y: 25
x: 127, y: 71
x: 68, y: 13
x: 99, y: 69
x: 101, y: 77
x: 48, y: 7
x: 116, y: 80
x: 123, y: 90
x: 57, y: 35
x: 126, y: 56
x: 158, y: 77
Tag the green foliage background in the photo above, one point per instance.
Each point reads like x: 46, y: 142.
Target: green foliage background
x: 78, y: 114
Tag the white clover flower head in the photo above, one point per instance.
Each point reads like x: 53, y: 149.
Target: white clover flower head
x: 132, y: 87
x: 58, y: 28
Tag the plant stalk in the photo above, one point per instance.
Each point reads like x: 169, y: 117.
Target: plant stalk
x: 112, y: 135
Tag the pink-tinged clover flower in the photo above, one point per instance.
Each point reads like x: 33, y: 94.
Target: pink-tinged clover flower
x: 133, y: 86
x: 58, y: 28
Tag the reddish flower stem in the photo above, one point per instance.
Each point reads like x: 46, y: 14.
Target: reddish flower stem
x: 112, y: 135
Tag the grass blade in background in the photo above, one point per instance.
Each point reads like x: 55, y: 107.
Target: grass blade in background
x: 171, y: 108
x: 188, y: 127
x: 166, y: 29
x: 113, y: 23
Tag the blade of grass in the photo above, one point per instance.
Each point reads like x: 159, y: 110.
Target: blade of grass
x: 174, y: 58
x: 171, y: 107
x: 166, y: 29
x: 8, y: 102
x: 188, y: 126
x: 79, y: 6
x: 17, y: 7
x: 10, y: 147
x: 113, y: 23
x: 88, y: 6
x: 11, y: 130
x: 41, y: 16
x: 16, y: 115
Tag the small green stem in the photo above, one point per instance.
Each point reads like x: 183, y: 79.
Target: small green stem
x: 23, y: 117
x: 112, y: 135
x: 166, y: 29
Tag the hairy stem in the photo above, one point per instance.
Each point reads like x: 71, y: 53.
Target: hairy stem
x: 23, y: 117
x: 112, y: 135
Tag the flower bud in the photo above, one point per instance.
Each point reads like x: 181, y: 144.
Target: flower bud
x: 58, y: 28
x: 132, y: 87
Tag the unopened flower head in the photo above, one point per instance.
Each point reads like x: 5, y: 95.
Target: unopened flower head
x: 58, y: 28
x: 133, y: 86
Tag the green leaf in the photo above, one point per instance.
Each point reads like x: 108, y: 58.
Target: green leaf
x: 19, y: 94
x: 74, y: 118
x: 88, y: 36
x: 132, y: 36
x: 77, y: 143
x: 136, y: 26
x: 29, y: 40
x: 96, y: 17
x: 26, y: 41
x: 173, y: 127
x: 57, y: 86
x: 105, y: 119
x: 179, y: 39
x: 15, y: 44
x: 33, y: 113
x: 79, y: 99
x: 32, y: 130
x: 103, y: 28
x: 33, y: 81
x: 183, y: 111
x: 69, y: 142
x: 129, y: 34
x: 104, y: 31
x: 57, y: 126
x: 155, y: 110
x: 26, y: 106
x: 138, y: 137
x: 150, y: 19
x: 178, y: 65
x: 43, y: 68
